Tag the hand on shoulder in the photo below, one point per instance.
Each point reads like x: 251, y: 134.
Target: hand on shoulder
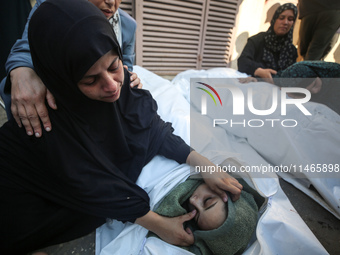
x: 28, y: 106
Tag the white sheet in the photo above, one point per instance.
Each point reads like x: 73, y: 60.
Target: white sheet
x: 280, y: 229
x: 314, y: 141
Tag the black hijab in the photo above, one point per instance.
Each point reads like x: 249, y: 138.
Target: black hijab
x: 280, y: 45
x: 91, y: 159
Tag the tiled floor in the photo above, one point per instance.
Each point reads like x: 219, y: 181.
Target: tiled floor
x: 82, y: 246
x: 324, y: 225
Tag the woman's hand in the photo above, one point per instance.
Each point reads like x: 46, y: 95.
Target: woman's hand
x: 171, y: 230
x: 265, y: 74
x: 219, y: 181
x: 28, y: 101
x: 135, y: 81
x: 247, y: 80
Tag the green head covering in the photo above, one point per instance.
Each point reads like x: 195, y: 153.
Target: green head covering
x: 232, y: 236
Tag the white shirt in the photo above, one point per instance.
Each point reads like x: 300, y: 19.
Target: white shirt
x: 116, y: 25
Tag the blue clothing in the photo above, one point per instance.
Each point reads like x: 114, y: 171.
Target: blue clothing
x: 13, y: 16
x: 128, y: 27
x: 20, y: 55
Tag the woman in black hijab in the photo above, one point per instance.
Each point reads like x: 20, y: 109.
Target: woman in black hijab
x: 270, y: 52
x: 66, y: 183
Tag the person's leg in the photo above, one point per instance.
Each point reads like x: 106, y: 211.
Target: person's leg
x: 13, y: 18
x: 331, y: 45
x: 326, y: 26
x: 29, y: 222
x: 306, y: 33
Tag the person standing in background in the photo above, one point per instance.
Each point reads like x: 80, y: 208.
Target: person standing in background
x: 23, y: 92
x: 268, y: 53
x: 13, y: 17
x: 320, y: 19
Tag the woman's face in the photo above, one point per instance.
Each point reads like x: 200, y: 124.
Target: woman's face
x: 284, y: 23
x: 103, y: 81
x: 108, y: 7
x: 211, y: 212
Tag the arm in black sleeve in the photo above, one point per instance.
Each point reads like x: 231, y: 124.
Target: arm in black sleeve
x: 175, y: 148
x: 90, y: 182
x: 250, y: 57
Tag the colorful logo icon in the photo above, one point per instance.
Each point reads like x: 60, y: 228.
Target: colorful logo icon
x: 209, y: 93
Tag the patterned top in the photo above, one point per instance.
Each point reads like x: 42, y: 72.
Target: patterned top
x: 280, y: 46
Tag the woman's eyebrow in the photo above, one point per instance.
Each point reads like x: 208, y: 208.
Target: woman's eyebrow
x: 114, y: 61
x: 89, y: 76
x: 288, y: 15
x: 93, y: 75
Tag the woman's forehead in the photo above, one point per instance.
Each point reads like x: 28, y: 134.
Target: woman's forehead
x: 103, y: 62
x: 288, y: 12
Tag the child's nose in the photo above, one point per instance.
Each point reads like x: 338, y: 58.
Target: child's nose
x: 193, y: 201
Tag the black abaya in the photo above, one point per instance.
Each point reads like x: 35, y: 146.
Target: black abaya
x: 86, y: 167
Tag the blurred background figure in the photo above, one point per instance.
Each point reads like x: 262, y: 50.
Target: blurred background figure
x: 321, y: 78
x: 13, y: 17
x: 320, y: 19
x: 270, y: 52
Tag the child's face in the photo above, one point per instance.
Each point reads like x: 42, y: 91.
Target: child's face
x: 211, y: 211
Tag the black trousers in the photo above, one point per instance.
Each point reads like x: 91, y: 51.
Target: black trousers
x: 29, y: 222
x: 316, y: 34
